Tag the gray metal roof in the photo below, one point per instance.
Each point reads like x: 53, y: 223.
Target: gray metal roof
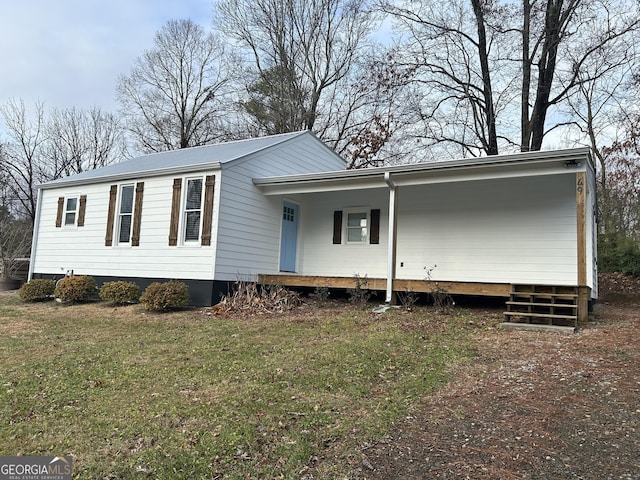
x: 207, y: 156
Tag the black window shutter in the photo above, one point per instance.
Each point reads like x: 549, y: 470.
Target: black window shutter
x: 337, y: 227
x: 374, y: 236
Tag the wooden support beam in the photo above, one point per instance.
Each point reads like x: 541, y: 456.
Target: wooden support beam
x: 581, y: 217
x: 418, y: 286
x: 584, y: 294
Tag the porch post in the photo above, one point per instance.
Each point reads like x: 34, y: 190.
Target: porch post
x: 581, y: 213
x: 392, y: 237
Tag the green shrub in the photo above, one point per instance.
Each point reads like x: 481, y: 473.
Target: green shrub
x: 37, y: 290
x: 165, y: 296
x: 77, y: 288
x: 617, y: 253
x: 120, y: 292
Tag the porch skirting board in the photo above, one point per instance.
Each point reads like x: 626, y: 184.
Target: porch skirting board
x: 203, y: 293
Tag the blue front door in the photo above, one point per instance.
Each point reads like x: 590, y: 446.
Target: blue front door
x: 289, y: 239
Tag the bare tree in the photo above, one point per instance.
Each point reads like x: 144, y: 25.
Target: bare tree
x: 480, y: 61
x: 463, y: 71
x: 602, y: 110
x: 373, y: 111
x: 83, y: 140
x: 46, y: 147
x: 23, y: 163
x: 561, y: 39
x: 15, y: 229
x: 174, y: 97
x: 317, y: 43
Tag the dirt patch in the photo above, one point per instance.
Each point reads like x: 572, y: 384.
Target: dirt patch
x: 618, y: 287
x: 10, y: 328
x: 529, y: 406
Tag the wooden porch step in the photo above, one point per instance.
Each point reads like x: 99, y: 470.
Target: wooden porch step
x: 540, y: 315
x: 535, y: 327
x: 549, y: 304
x: 534, y: 304
x: 568, y: 296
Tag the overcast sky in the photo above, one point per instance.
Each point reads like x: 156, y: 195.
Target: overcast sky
x: 69, y: 53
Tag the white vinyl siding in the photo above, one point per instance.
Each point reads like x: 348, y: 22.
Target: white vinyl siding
x: 245, y: 230
x: 323, y: 258
x: 250, y: 223
x: 518, y: 230
x: 84, y: 251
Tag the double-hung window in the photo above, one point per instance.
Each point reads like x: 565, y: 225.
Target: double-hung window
x: 192, y: 210
x: 357, y: 227
x: 124, y: 217
x: 70, y: 211
x: 125, y: 214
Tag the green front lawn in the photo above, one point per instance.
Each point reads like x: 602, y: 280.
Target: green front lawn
x: 131, y: 394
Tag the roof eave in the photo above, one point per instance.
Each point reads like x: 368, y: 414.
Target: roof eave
x: 132, y: 176
x: 374, y: 177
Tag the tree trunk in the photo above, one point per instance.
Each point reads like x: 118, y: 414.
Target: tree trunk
x: 546, y: 74
x: 491, y: 141
x: 525, y: 130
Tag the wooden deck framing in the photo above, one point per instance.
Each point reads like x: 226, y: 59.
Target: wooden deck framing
x: 419, y: 286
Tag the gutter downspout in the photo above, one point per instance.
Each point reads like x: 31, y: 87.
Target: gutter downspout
x: 34, y: 238
x: 392, y: 238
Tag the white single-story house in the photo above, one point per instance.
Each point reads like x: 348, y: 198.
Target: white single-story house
x: 283, y: 209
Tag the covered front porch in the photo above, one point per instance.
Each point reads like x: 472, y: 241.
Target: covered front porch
x: 471, y: 227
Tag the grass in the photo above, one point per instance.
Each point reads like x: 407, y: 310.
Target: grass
x: 131, y: 394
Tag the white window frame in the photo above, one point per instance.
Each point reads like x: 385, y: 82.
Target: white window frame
x: 362, y: 211
x: 184, y: 211
x: 119, y: 214
x: 66, y: 211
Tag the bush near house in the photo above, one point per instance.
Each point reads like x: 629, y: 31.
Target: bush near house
x: 617, y: 253
x: 78, y: 288
x: 120, y: 292
x: 165, y: 296
x: 37, y: 290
